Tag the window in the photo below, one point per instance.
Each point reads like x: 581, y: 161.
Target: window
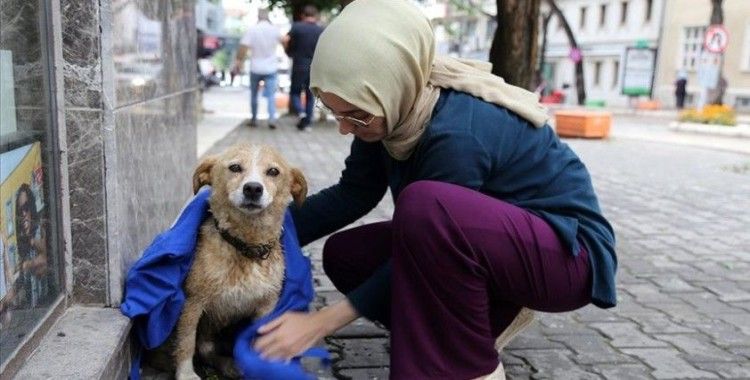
x: 692, y: 46
x: 602, y: 15
x: 615, y: 74
x: 583, y: 18
x: 623, y: 13
x: 31, y: 261
x: 649, y: 5
x: 597, y: 73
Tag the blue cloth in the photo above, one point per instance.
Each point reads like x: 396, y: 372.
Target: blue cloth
x: 154, y: 296
x: 483, y: 147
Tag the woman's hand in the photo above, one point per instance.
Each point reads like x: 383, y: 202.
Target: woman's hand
x: 289, y: 335
x: 293, y: 332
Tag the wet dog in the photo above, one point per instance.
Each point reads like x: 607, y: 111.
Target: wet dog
x: 238, y: 269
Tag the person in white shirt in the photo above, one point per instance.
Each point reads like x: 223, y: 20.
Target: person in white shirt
x: 262, y: 39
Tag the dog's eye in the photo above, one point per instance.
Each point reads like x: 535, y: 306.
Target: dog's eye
x: 236, y: 168
x: 273, y: 172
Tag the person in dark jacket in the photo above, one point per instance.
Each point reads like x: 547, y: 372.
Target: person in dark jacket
x: 299, y: 44
x: 493, y: 216
x: 680, y: 89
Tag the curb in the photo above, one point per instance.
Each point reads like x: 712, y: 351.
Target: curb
x: 738, y: 131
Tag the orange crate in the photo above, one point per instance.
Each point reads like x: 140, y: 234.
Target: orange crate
x: 583, y: 123
x: 649, y: 105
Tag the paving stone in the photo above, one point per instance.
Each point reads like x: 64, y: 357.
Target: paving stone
x: 364, y: 373
x: 667, y: 364
x: 660, y: 323
x: 531, y: 339
x: 361, y: 328
x: 361, y: 353
x: 707, y: 303
x: 592, y: 349
x: 624, y: 371
x: 594, y: 314
x: 722, y: 334
x: 518, y: 372
x: 742, y: 351
x: 739, y: 320
x: 697, y: 348
x: 626, y: 334
x: 727, y: 291
x: 728, y: 370
x: 673, y: 284
x: 562, y: 324
x: 555, y: 364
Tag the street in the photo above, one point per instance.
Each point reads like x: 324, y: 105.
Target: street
x: 680, y: 214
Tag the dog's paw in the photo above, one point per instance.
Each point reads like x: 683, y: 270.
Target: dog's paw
x: 187, y: 376
x: 185, y: 371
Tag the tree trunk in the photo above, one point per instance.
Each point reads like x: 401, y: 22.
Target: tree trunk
x: 580, y: 85
x: 514, y: 47
x: 717, y: 12
x: 543, y: 50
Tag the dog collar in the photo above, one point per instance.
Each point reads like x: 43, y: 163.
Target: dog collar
x: 251, y: 251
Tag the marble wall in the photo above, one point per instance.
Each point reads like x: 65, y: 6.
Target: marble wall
x: 130, y: 91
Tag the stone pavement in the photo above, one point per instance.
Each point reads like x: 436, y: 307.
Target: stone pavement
x: 681, y: 215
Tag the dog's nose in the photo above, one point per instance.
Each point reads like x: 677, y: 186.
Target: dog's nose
x: 253, y: 190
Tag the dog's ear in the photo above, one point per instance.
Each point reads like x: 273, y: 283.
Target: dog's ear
x: 202, y: 174
x: 299, y: 187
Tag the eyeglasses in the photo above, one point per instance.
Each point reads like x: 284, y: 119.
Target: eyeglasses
x: 352, y: 120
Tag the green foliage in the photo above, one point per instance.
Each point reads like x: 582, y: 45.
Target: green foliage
x: 220, y: 59
x: 290, y: 6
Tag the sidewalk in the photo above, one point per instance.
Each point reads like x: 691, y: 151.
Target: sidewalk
x: 681, y: 218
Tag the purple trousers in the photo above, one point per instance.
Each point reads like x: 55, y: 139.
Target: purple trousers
x: 463, y: 265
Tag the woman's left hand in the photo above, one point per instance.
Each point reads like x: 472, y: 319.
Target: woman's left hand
x: 289, y: 335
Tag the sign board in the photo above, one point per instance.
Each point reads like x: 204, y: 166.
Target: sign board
x: 709, y: 67
x: 7, y: 97
x: 638, y: 71
x: 575, y: 55
x: 716, y: 39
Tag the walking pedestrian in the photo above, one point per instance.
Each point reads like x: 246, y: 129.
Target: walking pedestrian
x: 262, y: 40
x: 300, y: 44
x: 680, y: 89
x: 493, y: 213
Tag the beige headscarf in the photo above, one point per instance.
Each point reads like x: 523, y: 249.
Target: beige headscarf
x: 379, y: 55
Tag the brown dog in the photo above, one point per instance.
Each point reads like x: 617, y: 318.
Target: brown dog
x: 238, y: 268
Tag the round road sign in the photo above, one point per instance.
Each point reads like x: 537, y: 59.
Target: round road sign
x: 716, y: 39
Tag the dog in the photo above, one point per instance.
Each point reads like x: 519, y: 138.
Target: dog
x: 238, y: 269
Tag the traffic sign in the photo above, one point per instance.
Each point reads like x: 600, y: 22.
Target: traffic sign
x: 716, y: 39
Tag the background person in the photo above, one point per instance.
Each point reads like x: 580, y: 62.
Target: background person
x: 300, y: 44
x: 262, y: 40
x: 493, y: 213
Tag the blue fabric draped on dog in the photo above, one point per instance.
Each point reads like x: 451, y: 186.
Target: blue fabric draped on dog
x: 154, y: 297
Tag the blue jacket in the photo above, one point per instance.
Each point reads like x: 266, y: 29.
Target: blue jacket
x: 154, y: 296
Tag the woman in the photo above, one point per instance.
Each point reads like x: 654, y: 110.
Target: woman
x: 492, y: 212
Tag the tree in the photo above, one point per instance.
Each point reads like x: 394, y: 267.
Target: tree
x: 540, y: 69
x: 294, y: 7
x: 717, y: 12
x: 580, y: 86
x: 513, y: 52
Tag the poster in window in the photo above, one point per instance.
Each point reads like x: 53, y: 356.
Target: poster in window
x: 22, y: 233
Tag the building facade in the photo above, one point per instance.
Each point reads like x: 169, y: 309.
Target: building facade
x: 98, y: 103
x: 684, y: 28
x: 603, y: 29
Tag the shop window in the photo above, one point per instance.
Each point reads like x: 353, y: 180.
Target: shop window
x: 30, y: 258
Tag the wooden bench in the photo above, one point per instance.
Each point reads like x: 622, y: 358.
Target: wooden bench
x: 583, y: 123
